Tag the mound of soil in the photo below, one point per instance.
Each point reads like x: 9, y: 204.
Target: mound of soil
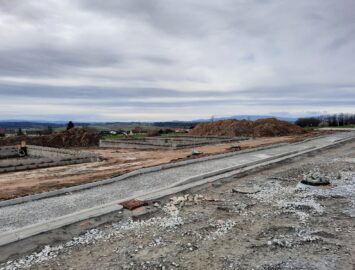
x: 270, y: 127
x: 75, y: 137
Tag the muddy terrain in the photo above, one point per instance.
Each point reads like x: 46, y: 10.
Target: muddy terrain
x: 266, y: 220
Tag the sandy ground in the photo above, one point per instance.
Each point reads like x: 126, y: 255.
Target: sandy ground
x: 279, y: 224
x: 114, y: 162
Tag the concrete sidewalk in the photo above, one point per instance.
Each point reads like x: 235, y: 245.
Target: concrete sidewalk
x: 31, y: 213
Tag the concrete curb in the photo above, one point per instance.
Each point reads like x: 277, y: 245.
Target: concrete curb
x: 28, y: 231
x: 61, y: 191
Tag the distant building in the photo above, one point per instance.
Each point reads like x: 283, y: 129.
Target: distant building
x: 8, y: 132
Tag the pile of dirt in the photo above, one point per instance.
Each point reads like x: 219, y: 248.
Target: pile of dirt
x: 270, y: 127
x: 75, y: 137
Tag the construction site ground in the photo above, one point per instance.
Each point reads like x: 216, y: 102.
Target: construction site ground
x: 265, y: 220
x: 114, y: 162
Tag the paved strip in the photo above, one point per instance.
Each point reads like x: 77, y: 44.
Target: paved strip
x: 26, y: 214
x: 34, y: 229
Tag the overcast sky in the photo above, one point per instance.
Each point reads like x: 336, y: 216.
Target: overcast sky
x: 145, y: 60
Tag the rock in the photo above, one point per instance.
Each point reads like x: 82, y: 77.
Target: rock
x: 133, y: 204
x: 156, y: 204
x: 195, y: 152
x: 315, y: 178
x: 175, y: 264
x: 235, y: 147
x: 316, y: 181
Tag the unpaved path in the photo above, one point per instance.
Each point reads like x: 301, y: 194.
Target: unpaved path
x: 115, y: 162
x: 283, y: 225
x: 46, y: 209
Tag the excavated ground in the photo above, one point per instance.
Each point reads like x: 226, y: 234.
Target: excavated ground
x: 265, y: 220
x: 114, y: 162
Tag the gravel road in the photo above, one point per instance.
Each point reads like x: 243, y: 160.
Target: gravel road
x: 20, y: 215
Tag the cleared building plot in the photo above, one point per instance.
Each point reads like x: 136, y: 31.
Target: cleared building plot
x: 15, y: 158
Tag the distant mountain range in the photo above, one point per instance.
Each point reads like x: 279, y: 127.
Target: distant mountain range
x: 15, y: 124
x: 28, y: 124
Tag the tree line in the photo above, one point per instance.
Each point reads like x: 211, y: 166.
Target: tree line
x: 331, y: 120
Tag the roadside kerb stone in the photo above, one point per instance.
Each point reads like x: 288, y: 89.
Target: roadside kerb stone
x: 28, y: 231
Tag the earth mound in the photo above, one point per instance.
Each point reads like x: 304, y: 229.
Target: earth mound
x: 75, y: 137
x: 270, y: 127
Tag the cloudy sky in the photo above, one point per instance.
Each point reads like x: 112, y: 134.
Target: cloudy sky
x: 145, y: 60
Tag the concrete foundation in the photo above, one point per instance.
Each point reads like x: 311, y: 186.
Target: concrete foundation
x: 40, y: 157
x: 167, y: 142
x: 8, y: 152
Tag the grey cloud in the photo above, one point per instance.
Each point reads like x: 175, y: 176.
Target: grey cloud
x: 248, y: 55
x: 151, y: 97
x: 51, y: 60
x: 187, y: 18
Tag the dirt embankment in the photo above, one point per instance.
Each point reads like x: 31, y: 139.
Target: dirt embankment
x: 75, y: 137
x: 259, y: 128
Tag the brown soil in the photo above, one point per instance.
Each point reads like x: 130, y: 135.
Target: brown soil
x: 114, y: 162
x: 75, y: 137
x: 259, y: 128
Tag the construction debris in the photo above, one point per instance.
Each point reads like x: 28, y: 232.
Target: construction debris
x: 315, y: 179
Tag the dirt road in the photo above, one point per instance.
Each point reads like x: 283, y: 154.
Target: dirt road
x: 115, y: 162
x: 266, y: 220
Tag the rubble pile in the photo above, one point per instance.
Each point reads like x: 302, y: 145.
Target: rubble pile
x: 75, y: 137
x: 315, y: 179
x: 238, y: 128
